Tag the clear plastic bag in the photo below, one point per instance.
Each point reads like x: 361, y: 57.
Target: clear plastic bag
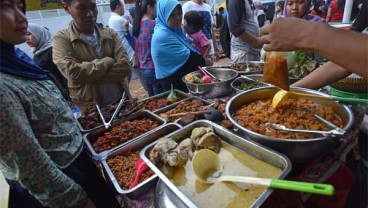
x: 276, y: 71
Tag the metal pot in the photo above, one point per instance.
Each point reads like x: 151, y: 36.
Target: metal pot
x: 299, y: 151
x: 213, y: 90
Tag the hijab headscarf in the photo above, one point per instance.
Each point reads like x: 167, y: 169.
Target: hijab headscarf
x: 15, y: 62
x: 43, y: 37
x: 170, y: 49
x: 306, y: 14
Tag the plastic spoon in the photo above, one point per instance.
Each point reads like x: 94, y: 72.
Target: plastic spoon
x: 140, y: 167
x: 206, y: 79
x: 208, y: 168
x: 282, y: 95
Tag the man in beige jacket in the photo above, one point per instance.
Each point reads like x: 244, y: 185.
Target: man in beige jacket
x: 91, y: 57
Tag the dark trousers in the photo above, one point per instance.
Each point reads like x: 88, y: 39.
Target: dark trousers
x: 84, y: 172
x: 191, y: 65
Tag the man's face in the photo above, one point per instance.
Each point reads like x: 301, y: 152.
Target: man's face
x: 120, y: 10
x: 84, y: 13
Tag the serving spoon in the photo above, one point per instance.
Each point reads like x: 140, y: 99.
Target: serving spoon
x: 206, y: 79
x: 208, y: 169
x: 282, y: 95
x: 140, y: 167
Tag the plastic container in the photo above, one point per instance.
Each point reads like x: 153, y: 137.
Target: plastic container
x: 342, y: 180
x: 341, y: 93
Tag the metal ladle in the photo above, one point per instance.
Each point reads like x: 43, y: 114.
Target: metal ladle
x: 208, y: 168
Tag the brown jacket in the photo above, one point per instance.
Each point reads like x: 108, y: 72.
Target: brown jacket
x: 84, y: 77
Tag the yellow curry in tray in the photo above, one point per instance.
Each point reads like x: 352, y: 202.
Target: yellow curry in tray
x: 236, y: 162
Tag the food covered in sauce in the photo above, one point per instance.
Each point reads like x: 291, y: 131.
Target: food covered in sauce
x: 235, y: 161
x: 167, y: 154
x: 91, y: 118
x: 295, y: 113
x: 124, y: 132
x: 124, y: 170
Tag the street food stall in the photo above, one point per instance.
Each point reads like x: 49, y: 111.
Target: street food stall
x: 230, y: 115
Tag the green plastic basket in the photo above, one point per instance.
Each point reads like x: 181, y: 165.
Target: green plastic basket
x: 341, y: 93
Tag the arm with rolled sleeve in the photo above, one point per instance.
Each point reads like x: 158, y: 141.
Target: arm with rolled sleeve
x: 23, y: 159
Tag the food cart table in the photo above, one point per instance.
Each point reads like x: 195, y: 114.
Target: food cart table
x: 318, y: 170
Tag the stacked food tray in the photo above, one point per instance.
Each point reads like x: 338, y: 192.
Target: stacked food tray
x: 129, y: 107
x: 118, y: 165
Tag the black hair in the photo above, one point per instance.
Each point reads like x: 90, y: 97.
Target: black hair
x: 316, y: 6
x: 340, y: 5
x: 221, y: 9
x: 67, y: 1
x: 194, y: 20
x: 140, y: 9
x: 114, y: 4
x: 281, y: 4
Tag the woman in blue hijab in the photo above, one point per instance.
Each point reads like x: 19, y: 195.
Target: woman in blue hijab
x: 172, y: 55
x: 42, y: 155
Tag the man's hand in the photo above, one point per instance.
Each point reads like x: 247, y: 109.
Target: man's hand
x: 286, y: 34
x: 70, y: 57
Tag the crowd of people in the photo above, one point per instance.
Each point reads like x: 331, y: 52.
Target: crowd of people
x: 42, y: 155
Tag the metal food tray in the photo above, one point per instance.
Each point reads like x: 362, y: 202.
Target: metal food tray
x: 250, y: 63
x: 256, y: 150
x: 180, y: 94
x: 170, y: 107
x: 149, y: 183
x: 91, y: 137
x: 92, y: 129
x: 239, y: 80
x: 292, y: 80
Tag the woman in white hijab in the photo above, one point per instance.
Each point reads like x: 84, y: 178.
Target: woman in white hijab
x: 39, y: 38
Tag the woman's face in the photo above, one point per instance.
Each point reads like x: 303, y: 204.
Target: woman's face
x: 31, y: 40
x: 296, y: 8
x: 13, y: 23
x: 174, y: 21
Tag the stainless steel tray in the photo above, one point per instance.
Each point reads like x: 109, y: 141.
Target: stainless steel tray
x: 250, y: 63
x: 91, y: 137
x: 180, y: 94
x: 83, y: 130
x: 292, y: 80
x: 167, y: 108
x: 262, y: 153
x: 146, y: 185
x: 240, y: 80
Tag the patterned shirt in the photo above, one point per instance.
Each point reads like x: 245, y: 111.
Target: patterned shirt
x: 143, y: 44
x: 38, y: 136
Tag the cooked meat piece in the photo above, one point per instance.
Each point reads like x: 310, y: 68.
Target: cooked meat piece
x: 197, y: 133
x: 171, y: 158
x: 222, y: 107
x: 209, y: 141
x: 226, y: 123
x: 187, y: 119
x: 185, y: 150
x: 159, y: 151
